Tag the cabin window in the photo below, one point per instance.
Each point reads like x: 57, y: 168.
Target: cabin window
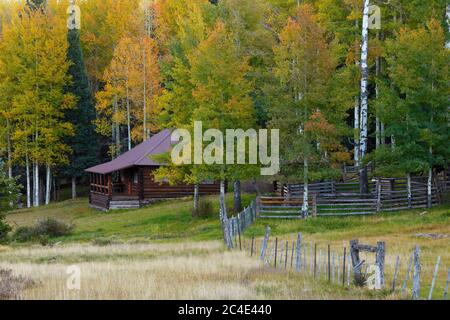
x: 136, y: 178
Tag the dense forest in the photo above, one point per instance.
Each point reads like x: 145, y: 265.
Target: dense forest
x: 347, y: 82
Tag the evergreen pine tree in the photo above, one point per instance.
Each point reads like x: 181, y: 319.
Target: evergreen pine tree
x: 84, y: 142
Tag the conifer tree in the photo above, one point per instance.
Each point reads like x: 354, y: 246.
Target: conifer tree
x: 84, y: 143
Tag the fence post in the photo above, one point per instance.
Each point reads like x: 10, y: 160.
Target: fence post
x: 378, y: 187
x: 286, y: 255
x: 354, y: 253
x: 239, y: 232
x: 264, y: 244
x: 258, y: 207
x: 343, y: 267
x: 408, y: 271
x: 329, y: 264
x: 315, y: 259
x: 433, y: 282
x: 276, y: 251
x: 397, y: 266
x: 292, y: 254
x: 298, y: 262
x: 446, y: 285
x: 416, y: 274
x: 408, y: 190
x: 333, y: 267
x: 380, y: 257
x: 253, y: 244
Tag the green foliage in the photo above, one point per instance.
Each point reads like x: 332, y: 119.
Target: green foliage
x: 414, y: 103
x: 9, y: 191
x: 205, y: 209
x: 84, y: 143
x: 44, y: 230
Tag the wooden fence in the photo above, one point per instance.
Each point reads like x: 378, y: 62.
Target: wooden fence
x: 340, y: 266
x: 333, y: 199
x: 279, y: 207
x: 237, y: 225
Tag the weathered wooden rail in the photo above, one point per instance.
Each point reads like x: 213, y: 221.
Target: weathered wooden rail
x: 279, y: 207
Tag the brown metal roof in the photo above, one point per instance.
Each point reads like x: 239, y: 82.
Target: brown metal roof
x: 139, y: 155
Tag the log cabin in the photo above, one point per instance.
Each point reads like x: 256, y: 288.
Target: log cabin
x: 128, y: 181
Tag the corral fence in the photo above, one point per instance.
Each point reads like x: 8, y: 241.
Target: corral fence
x: 336, y: 199
x: 236, y: 225
x: 365, y: 265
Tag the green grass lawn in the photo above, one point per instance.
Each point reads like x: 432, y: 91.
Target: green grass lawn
x: 169, y: 220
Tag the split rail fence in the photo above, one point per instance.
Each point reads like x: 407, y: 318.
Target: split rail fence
x: 342, y: 199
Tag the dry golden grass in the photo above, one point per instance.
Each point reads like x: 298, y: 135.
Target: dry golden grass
x: 161, y: 271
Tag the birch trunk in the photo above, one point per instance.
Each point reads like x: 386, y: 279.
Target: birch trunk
x: 27, y: 169
x: 224, y: 217
x: 364, y: 79
x: 145, y: 93
x: 74, y: 188
x: 382, y: 133
x: 447, y: 14
x: 196, y: 197
x: 429, y: 188
x: 305, y: 207
x: 117, y: 130
x: 408, y: 186
x: 128, y: 118
x: 237, y: 196
x: 377, y: 95
x: 48, y: 185
x: 36, y: 185
x: 364, y: 95
x: 357, y: 133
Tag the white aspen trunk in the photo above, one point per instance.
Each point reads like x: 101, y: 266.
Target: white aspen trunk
x: 364, y: 79
x: 196, y: 196
x: 48, y: 185
x: 117, y: 130
x: 447, y: 14
x: 393, y: 142
x: 74, y: 188
x: 429, y: 187
x: 36, y: 185
x: 408, y: 186
x: 357, y: 132
x: 145, y: 94
x: 224, y: 217
x: 363, y: 179
x: 305, y: 207
x: 128, y: 120
x: 27, y: 169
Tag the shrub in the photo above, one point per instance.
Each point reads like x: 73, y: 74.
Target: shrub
x: 53, y: 228
x: 4, y: 229
x: 24, y: 234
x: 205, y: 210
x: 11, y: 286
x: 43, y: 231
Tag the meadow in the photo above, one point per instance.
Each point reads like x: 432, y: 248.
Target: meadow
x: 162, y: 252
